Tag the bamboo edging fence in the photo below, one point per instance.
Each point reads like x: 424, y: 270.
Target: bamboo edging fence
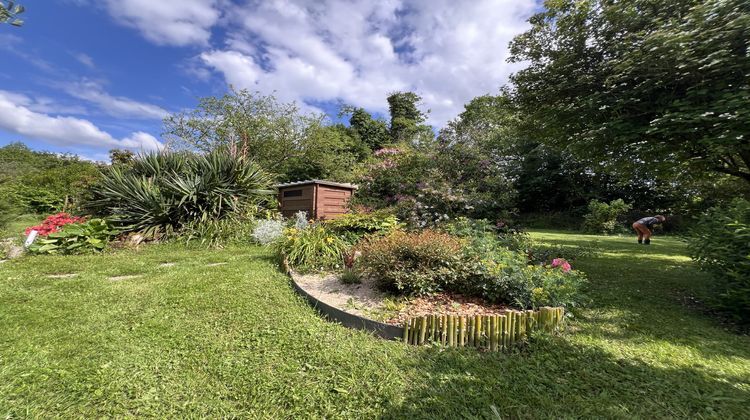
x: 491, y: 332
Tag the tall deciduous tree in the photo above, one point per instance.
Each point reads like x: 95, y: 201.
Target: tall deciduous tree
x: 283, y: 140
x: 629, y: 84
x: 406, y: 117
x: 372, y: 132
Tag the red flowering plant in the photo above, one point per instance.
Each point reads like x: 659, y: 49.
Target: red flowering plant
x: 53, y: 223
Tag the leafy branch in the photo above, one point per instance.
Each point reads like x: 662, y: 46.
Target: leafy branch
x: 9, y: 12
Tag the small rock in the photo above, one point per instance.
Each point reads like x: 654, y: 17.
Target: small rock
x: 119, y: 278
x: 62, y: 276
x: 215, y: 264
x: 135, y: 239
x: 14, y: 251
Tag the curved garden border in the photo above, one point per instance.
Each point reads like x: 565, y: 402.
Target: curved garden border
x: 390, y: 332
x: 490, y: 332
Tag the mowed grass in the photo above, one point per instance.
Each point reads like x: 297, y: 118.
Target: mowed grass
x: 194, y: 339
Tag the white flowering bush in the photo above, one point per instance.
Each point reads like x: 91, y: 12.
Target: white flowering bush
x: 300, y: 220
x: 267, y: 231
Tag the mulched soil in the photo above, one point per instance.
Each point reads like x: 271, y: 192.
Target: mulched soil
x: 446, y: 304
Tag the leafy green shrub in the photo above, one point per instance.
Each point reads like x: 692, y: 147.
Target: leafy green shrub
x: 603, y: 217
x: 506, y: 277
x: 487, y: 237
x: 6, y: 214
x: 411, y: 263
x: 75, y: 238
x: 313, y: 249
x: 43, y: 182
x: 720, y: 244
x: 476, y: 265
x: 163, y: 191
x: 349, y: 276
x: 216, y: 233
x: 355, y: 226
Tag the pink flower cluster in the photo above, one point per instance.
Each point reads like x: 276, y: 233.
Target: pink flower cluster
x: 561, y: 262
x: 53, y: 223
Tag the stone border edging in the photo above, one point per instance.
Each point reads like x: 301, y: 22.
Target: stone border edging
x: 387, y: 331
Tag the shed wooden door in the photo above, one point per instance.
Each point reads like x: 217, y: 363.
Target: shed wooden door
x: 331, y: 201
x: 294, y: 199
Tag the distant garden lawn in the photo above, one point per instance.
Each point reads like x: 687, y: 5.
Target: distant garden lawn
x: 199, y: 339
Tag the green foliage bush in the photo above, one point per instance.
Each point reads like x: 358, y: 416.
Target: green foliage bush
x: 720, y: 244
x: 6, y: 214
x: 355, y: 226
x: 349, y: 276
x: 314, y: 248
x: 603, y: 217
x: 42, y: 182
x: 488, y: 237
x: 162, y: 192
x: 500, y: 274
x: 477, y: 265
x: 219, y: 232
x: 415, y: 263
x: 76, y: 238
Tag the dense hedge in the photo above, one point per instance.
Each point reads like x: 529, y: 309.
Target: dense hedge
x: 720, y: 243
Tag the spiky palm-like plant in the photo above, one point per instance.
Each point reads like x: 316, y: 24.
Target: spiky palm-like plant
x: 163, y: 191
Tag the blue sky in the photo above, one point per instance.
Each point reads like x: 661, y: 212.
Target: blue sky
x: 87, y: 76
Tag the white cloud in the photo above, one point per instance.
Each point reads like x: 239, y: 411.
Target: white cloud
x: 359, y: 51
x: 168, y: 22
x: 117, y: 106
x: 85, y: 59
x: 17, y: 117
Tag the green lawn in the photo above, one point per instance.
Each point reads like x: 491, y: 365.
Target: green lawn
x: 234, y: 340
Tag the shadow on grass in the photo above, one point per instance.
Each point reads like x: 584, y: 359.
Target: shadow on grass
x: 558, y: 379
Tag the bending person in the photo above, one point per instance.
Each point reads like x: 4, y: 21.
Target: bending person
x: 643, y: 227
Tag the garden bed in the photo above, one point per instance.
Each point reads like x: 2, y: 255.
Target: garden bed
x: 365, y: 300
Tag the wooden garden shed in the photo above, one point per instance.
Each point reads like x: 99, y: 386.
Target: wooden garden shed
x: 320, y: 199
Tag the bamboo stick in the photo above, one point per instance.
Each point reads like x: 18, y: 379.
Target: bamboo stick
x: 406, y: 332
x: 478, y: 331
x: 504, y: 331
x: 462, y: 331
x: 511, y: 329
x: 433, y: 329
x: 488, y: 333
x: 436, y: 332
x: 451, y: 331
x: 443, y: 329
x: 423, y: 330
x: 493, y: 339
x: 471, y: 332
x: 496, y: 332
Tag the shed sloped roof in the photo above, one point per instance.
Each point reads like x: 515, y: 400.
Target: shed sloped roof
x: 316, y: 181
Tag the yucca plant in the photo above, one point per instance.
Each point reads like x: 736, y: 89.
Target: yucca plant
x: 163, y: 191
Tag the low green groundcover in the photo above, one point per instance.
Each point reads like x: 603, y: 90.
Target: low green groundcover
x: 166, y: 332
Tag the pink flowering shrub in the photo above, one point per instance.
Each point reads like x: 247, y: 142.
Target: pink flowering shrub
x: 561, y: 262
x: 387, y: 151
x: 53, y: 223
